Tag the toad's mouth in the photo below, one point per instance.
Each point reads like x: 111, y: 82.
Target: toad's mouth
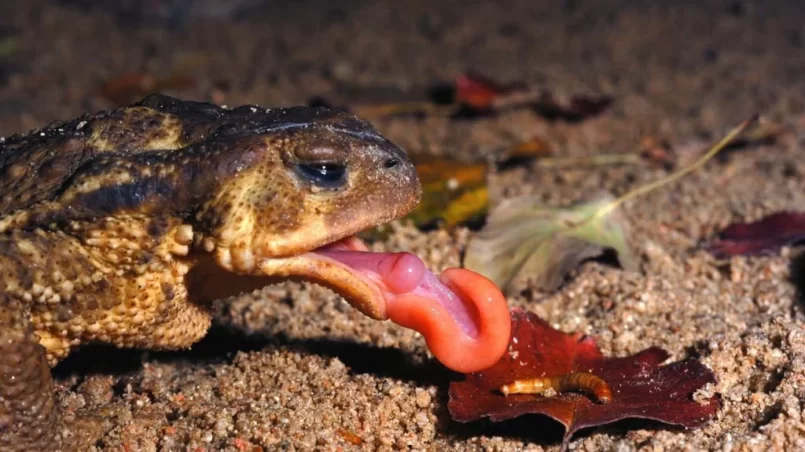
x: 462, y: 315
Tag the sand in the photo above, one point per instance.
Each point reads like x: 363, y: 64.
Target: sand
x: 295, y: 368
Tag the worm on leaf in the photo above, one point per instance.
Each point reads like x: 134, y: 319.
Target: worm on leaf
x: 574, y: 381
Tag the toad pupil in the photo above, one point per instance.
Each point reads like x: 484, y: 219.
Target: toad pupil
x: 329, y: 175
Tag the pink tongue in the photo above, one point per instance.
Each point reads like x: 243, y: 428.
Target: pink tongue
x: 401, y: 274
x: 463, y: 316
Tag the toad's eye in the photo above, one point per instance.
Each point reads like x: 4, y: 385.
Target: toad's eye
x: 323, y: 174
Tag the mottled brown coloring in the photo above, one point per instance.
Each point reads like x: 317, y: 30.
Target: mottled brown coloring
x: 113, y: 225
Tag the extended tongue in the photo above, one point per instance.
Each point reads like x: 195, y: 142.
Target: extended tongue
x: 462, y: 315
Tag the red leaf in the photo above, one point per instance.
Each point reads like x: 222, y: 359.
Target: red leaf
x: 579, y: 107
x: 478, y: 92
x: 481, y: 94
x: 470, y: 94
x: 767, y: 234
x: 129, y: 87
x: 641, y: 387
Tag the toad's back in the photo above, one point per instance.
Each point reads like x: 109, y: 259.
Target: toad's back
x: 36, y: 166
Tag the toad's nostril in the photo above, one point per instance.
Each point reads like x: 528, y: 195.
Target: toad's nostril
x: 391, y: 163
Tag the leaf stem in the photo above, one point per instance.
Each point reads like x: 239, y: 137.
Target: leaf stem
x: 593, y: 160
x: 642, y: 190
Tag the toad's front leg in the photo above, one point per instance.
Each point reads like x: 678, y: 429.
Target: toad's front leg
x: 28, y: 414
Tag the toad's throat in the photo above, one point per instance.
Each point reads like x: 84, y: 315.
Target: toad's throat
x: 463, y: 316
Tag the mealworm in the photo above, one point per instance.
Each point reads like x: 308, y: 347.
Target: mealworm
x: 574, y: 381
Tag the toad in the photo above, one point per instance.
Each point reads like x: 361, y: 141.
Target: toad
x: 123, y: 226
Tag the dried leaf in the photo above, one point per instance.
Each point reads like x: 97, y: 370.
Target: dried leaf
x: 377, y: 101
x: 545, y: 244
x: 522, y: 237
x: 523, y: 152
x: 762, y: 132
x: 641, y: 386
x: 478, y: 92
x: 579, y: 107
x: 765, y: 235
x: 480, y: 95
x: 452, y: 192
x: 534, y: 147
x: 468, y: 95
x: 130, y: 87
x: 657, y: 151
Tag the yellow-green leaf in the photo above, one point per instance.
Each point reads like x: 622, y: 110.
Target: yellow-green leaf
x: 453, y: 192
x: 544, y: 243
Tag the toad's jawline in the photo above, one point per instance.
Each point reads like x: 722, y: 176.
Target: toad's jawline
x: 462, y: 315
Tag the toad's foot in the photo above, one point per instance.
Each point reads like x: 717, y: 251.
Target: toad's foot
x: 28, y: 412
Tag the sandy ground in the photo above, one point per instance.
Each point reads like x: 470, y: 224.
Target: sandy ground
x: 295, y: 368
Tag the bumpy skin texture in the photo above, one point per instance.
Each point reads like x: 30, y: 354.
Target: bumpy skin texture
x: 112, y: 227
